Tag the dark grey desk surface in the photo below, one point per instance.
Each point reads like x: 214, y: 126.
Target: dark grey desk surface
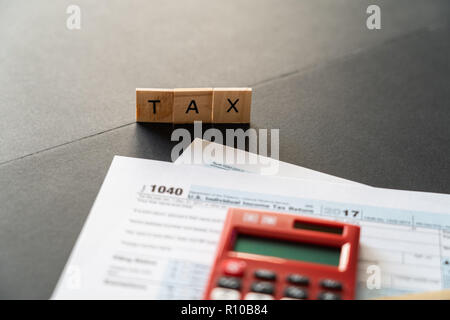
x: 371, y: 106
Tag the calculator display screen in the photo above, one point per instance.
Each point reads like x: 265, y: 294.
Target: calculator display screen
x: 287, y: 249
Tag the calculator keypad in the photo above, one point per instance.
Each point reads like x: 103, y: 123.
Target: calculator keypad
x: 229, y: 282
x: 225, y: 294
x: 296, y: 293
x: 329, y: 296
x: 258, y: 296
x: 234, y: 268
x: 265, y: 274
x: 264, y: 285
x: 298, y: 279
x: 331, y: 284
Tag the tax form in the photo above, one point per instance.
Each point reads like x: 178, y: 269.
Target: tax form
x: 200, y: 153
x: 153, y: 230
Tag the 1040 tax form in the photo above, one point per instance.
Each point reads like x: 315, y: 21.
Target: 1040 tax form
x: 153, y: 230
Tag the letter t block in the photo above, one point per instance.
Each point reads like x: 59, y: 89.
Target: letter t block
x: 154, y: 105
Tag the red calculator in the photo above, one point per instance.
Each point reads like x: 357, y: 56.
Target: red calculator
x: 267, y: 255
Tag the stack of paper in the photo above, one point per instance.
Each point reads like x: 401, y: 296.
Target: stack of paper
x: 154, y: 227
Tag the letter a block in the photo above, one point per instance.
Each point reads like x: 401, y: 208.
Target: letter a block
x: 191, y: 105
x: 154, y: 105
x: 232, y: 105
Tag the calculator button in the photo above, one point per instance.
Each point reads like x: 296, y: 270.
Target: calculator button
x: 265, y: 274
x: 296, y: 293
x: 329, y: 296
x: 258, y: 296
x: 298, y: 279
x: 331, y: 284
x: 262, y: 287
x: 224, y: 294
x: 234, y: 268
x: 229, y: 282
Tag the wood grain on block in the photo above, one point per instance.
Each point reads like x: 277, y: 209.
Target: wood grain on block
x: 191, y: 105
x: 154, y: 105
x: 232, y: 105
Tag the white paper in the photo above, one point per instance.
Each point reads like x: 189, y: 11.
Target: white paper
x: 139, y: 244
x: 198, y: 153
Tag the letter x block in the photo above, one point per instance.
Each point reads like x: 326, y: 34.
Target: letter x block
x: 232, y: 105
x: 191, y: 105
x: 154, y: 105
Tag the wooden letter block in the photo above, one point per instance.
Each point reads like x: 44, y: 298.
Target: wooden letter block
x: 154, y: 105
x: 191, y: 105
x: 232, y: 105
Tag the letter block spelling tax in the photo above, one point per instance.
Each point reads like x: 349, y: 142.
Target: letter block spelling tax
x: 218, y: 105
